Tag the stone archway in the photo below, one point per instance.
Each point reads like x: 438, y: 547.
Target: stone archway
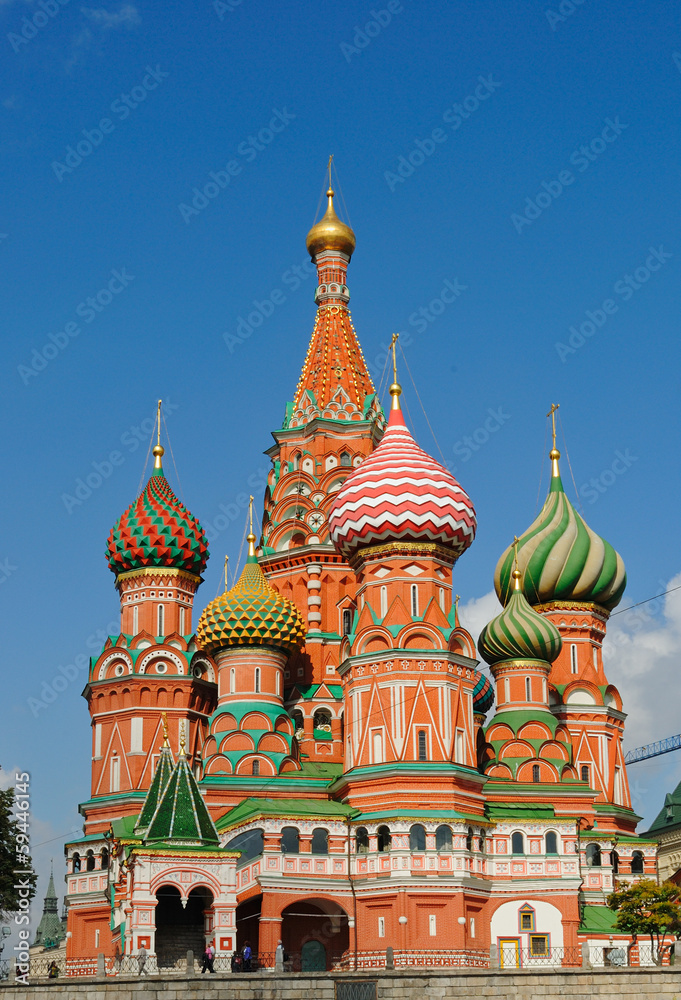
x: 315, y: 932
x: 180, y: 928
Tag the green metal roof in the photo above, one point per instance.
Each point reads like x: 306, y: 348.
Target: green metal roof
x: 499, y: 810
x: 669, y: 816
x: 181, y: 813
x: 252, y: 808
x: 598, y: 920
x: 516, y: 720
x: 159, y: 783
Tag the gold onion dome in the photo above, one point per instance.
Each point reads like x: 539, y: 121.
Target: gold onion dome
x: 519, y: 632
x: 252, y: 613
x: 330, y: 233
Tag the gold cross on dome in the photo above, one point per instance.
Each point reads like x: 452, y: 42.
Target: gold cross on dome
x: 552, y: 414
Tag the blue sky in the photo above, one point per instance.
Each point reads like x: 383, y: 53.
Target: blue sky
x: 526, y: 157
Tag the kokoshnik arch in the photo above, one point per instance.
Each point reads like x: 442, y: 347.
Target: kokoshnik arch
x: 312, y: 760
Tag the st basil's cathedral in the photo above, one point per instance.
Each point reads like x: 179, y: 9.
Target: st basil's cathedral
x: 319, y: 759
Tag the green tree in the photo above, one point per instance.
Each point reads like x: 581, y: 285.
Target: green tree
x: 646, y: 908
x: 14, y: 857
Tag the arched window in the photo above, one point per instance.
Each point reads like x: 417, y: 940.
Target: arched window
x: 536, y: 773
x: 251, y: 844
x: 469, y: 839
x: 423, y: 745
x: 320, y: 841
x: 441, y: 597
x: 528, y: 689
x: 361, y: 840
x: 593, y: 856
x: 160, y: 619
x: 637, y: 863
x: 135, y: 620
x: 551, y: 843
x: 573, y: 658
x: 90, y: 861
x: 296, y: 461
x: 347, y: 621
x: 257, y: 680
x: 414, y: 600
x: 443, y: 838
x: 584, y: 772
x: 75, y: 861
x: 417, y: 838
x: 615, y: 862
x: 384, y: 601
x: 182, y: 622
x: 322, y: 721
x: 104, y: 858
x: 298, y: 724
x: 255, y: 767
x: 517, y: 843
x: 290, y: 840
x: 384, y: 839
x: 232, y: 680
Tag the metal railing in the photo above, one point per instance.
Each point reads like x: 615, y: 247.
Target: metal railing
x: 512, y: 957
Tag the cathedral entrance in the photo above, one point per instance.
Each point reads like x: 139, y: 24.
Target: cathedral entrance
x: 179, y: 928
x: 317, y: 931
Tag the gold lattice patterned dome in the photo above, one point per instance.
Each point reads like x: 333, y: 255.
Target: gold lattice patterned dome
x: 252, y: 613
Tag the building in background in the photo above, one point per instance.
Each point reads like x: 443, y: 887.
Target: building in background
x: 311, y: 761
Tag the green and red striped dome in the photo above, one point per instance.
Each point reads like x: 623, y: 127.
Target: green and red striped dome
x: 157, y: 530
x: 519, y: 633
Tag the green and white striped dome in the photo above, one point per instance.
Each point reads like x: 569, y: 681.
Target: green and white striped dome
x: 519, y: 633
x: 561, y: 559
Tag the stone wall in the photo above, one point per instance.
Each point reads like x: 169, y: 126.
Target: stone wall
x: 646, y: 984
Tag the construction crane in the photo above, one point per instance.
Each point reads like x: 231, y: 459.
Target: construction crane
x: 653, y: 749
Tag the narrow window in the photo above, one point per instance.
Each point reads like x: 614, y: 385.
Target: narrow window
x: 257, y: 680
x: 432, y: 925
x: 347, y: 621
x: 593, y: 856
x: 507, y: 690
x: 290, y: 840
x: 617, y: 793
x: 345, y: 458
x: 255, y: 769
x: 362, y: 840
x: 378, y: 748
x: 544, y: 691
x: 442, y: 598
x: 135, y: 620
x: 320, y: 841
x: 595, y: 655
x: 278, y: 682
x: 615, y: 862
x: 160, y: 619
x: 458, y: 747
x: 517, y: 843
x: 75, y: 862
x: 528, y: 689
x: 383, y: 839
x: 472, y: 927
x: 414, y: 600
x: 417, y: 838
x: 384, y: 601
x: 423, y: 749
x: 136, y: 735
x: 104, y: 862
x: 98, y: 739
x: 536, y: 773
x: 584, y: 772
x: 443, y: 838
x: 551, y: 843
x: 97, y: 937
x: 573, y: 658
x: 637, y: 863
x: 232, y: 680
x: 381, y: 926
x: 90, y: 861
x: 182, y: 617
x: 115, y: 774
x: 469, y: 839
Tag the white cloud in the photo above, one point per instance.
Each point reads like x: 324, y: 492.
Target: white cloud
x: 126, y: 17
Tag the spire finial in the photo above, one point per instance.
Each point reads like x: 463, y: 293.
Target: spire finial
x: 226, y: 584
x: 166, y: 742
x: 395, y: 388
x: 250, y: 537
x: 183, y: 742
x: 158, y: 451
x: 329, y: 168
x: 555, y: 454
x: 516, y: 574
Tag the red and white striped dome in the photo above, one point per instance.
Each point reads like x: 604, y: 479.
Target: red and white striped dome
x: 400, y: 493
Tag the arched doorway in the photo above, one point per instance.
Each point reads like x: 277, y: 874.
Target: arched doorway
x: 315, y: 933
x: 248, y: 923
x: 179, y: 928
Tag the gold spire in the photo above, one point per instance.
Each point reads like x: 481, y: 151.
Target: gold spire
x: 330, y: 233
x: 516, y: 574
x: 250, y: 537
x: 395, y: 388
x: 183, y: 742
x: 555, y: 454
x: 226, y: 584
x: 166, y: 743
x: 158, y: 451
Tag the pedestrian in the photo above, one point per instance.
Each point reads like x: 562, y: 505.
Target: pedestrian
x: 141, y: 961
x: 236, y: 961
x: 279, y: 956
x: 208, y: 958
x: 247, y: 955
x: 52, y: 970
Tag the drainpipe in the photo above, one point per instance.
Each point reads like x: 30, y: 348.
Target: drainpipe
x: 354, y: 896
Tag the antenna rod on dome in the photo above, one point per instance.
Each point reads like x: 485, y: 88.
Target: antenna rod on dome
x: 395, y: 388
x: 555, y: 454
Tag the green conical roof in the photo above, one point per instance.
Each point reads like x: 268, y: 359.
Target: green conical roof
x: 561, y: 558
x: 252, y: 613
x: 159, y: 783
x: 51, y: 931
x: 519, y: 633
x: 181, y: 814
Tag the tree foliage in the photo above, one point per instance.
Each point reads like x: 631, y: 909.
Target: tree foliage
x: 646, y: 908
x: 14, y: 857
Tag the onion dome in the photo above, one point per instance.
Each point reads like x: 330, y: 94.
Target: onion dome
x: 483, y: 695
x: 400, y: 493
x: 330, y: 233
x: 157, y: 530
x: 519, y: 632
x: 561, y: 558
x: 252, y: 613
